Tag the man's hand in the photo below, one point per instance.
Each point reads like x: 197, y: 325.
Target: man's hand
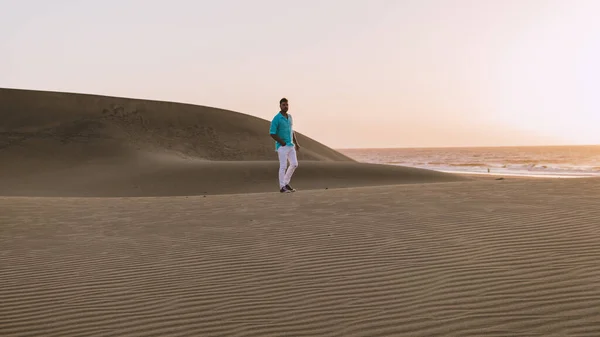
x: 297, y: 147
x: 277, y: 139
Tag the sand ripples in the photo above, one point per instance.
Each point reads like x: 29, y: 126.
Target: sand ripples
x: 465, y: 259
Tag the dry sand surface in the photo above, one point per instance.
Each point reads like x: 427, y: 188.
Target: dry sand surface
x: 481, y: 258
x: 122, y: 217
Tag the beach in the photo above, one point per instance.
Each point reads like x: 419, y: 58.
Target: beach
x: 113, y: 225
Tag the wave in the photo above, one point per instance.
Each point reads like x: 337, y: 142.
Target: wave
x: 469, y: 165
x: 531, y: 169
x: 574, y: 161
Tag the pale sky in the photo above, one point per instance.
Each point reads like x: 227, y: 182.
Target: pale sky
x: 357, y: 73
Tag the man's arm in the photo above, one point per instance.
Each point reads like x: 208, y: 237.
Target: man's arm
x: 273, y: 131
x: 278, y: 139
x: 296, y: 141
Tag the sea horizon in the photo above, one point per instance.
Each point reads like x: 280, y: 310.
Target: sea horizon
x: 463, y: 147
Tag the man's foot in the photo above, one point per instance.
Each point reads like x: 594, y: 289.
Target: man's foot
x: 285, y: 190
x: 290, y: 188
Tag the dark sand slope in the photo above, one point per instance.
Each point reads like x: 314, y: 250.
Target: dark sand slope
x: 66, y: 144
x: 92, y: 126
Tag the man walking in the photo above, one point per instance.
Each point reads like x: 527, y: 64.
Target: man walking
x: 286, y: 145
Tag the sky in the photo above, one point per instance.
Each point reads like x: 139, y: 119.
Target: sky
x: 357, y: 73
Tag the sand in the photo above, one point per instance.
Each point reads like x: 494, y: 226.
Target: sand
x: 483, y: 258
x: 76, y: 127
x: 112, y: 229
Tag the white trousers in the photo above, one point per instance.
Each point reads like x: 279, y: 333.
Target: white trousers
x: 286, y: 153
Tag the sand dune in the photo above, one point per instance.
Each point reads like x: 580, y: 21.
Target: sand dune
x: 482, y: 258
x: 66, y: 144
x: 77, y: 127
x: 182, y: 249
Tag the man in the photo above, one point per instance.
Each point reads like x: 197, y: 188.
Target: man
x: 286, y: 145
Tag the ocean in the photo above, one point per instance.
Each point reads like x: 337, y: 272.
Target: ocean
x: 542, y: 161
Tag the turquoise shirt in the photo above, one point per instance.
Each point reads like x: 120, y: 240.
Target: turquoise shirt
x: 283, y: 127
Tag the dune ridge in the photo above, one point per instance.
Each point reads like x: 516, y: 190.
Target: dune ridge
x: 107, y: 126
x: 506, y: 258
x: 70, y: 144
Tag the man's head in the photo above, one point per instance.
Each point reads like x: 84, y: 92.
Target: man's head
x: 283, y: 105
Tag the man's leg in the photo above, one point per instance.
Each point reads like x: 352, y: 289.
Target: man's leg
x: 291, y: 156
x: 282, y: 152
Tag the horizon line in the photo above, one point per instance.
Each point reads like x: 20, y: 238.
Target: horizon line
x: 460, y: 147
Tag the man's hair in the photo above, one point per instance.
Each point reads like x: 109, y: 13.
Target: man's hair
x: 283, y: 100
